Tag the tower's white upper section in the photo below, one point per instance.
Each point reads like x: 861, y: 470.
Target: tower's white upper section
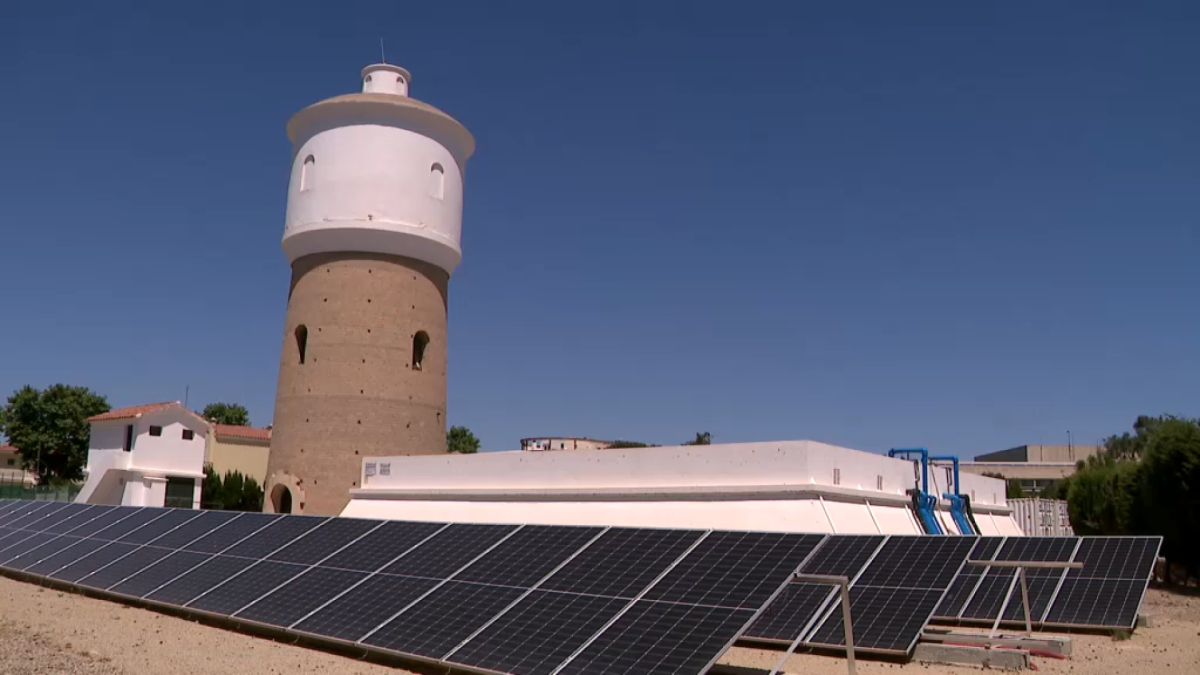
x: 377, y: 172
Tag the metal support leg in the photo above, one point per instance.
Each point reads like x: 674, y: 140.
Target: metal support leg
x: 844, y: 584
x: 849, y: 629
x: 1025, y: 604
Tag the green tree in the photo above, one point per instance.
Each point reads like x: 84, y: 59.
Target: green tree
x: 50, y: 429
x: 210, y: 489
x: 233, y: 492
x: 1171, y: 489
x: 616, y: 445
x: 702, y: 438
x: 227, y: 413
x: 460, y: 439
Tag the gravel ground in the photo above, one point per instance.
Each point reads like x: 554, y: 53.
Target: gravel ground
x: 50, y: 631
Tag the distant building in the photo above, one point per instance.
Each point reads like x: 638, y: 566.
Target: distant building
x: 10, y: 467
x: 540, y: 443
x: 779, y: 486
x: 147, y: 455
x: 1035, y: 466
x: 242, y: 449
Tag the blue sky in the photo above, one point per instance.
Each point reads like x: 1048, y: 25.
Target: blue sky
x: 943, y: 224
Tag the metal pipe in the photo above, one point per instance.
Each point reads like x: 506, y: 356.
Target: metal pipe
x: 924, y: 453
x: 954, y: 460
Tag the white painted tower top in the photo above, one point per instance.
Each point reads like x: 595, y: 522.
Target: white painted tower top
x: 377, y: 172
x: 384, y: 78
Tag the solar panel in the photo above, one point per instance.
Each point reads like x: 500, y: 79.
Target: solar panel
x: 242, y: 589
x: 36, y: 555
x: 1108, y: 591
x: 324, y: 540
x: 884, y: 618
x: 360, y: 609
x: 86, y: 565
x: 964, y: 584
x: 539, y: 632
x: 78, y: 549
x: 148, y: 579
x: 622, y: 562
x: 150, y: 530
x: 528, y: 555
x: 635, y: 644
x: 897, y: 593
x: 279, y: 533
x: 382, y: 545
x: 77, y: 517
x: 735, y: 569
x: 116, y: 522
x: 800, y: 603
x: 229, y: 534
x: 449, y: 550
x: 298, y: 597
x: 442, y: 619
x: 14, y: 552
x: 195, y: 528
x: 199, y: 579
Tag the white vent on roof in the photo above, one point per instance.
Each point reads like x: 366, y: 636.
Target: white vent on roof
x: 837, y: 476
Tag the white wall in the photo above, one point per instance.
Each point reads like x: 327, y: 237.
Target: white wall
x: 138, y: 477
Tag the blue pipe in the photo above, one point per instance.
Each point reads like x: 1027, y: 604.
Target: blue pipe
x: 958, y: 509
x: 906, y: 452
x: 927, y: 502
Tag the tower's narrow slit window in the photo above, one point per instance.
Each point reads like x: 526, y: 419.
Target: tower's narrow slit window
x: 301, y: 340
x: 420, y: 342
x: 437, y: 181
x: 306, y: 173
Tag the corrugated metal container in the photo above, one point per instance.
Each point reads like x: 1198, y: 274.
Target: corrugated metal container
x: 1042, y: 517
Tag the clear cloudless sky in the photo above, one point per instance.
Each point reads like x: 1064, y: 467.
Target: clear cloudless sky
x: 958, y: 225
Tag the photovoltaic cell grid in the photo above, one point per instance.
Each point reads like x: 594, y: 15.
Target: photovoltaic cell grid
x: 800, y: 602
x: 528, y: 599
x: 894, y: 597
x: 963, y: 586
x: 992, y: 591
x: 1109, y: 589
x: 1106, y: 593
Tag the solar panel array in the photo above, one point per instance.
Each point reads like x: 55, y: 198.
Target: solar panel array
x: 557, y: 599
x: 505, y: 598
x: 1106, y: 593
x: 896, y: 582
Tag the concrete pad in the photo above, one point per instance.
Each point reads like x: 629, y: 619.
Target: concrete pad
x: 1001, y: 659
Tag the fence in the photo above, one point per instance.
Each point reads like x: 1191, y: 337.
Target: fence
x: 19, y: 486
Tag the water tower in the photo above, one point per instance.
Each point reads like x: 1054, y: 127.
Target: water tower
x: 374, y: 218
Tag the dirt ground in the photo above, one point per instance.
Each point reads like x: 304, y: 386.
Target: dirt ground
x: 49, y: 631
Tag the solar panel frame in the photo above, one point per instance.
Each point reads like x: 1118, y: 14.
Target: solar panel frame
x: 898, y: 554
x: 838, y: 555
x: 1095, y: 574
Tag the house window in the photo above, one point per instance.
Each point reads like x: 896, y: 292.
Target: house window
x: 11, y: 461
x: 180, y: 492
x: 306, y: 173
x: 128, y: 438
x: 188, y: 434
x: 301, y: 340
x: 420, y: 342
x: 437, y: 181
x: 155, y: 431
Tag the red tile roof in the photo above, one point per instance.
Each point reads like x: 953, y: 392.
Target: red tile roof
x: 4, y: 449
x: 246, y: 433
x: 133, y: 411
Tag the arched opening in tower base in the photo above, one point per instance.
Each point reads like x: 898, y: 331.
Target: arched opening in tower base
x: 281, y: 499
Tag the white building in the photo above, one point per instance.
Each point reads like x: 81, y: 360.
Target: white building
x: 148, y: 455
x: 784, y: 486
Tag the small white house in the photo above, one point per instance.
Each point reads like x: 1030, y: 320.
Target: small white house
x: 147, y: 455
